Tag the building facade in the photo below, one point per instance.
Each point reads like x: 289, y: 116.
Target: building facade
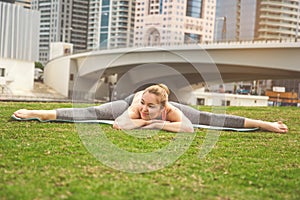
x: 159, y: 22
x: 79, y: 25
x: 24, y: 3
x: 122, y: 23
x: 235, y: 20
x: 94, y: 22
x: 8, y: 1
x: 278, y: 19
x: 19, y: 39
x: 62, y: 21
x: 111, y: 24
x: 257, y: 20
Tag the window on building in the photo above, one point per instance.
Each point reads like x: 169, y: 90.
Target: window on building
x: 105, y: 19
x: 225, y: 103
x: 194, y: 8
x: 2, y: 72
x: 71, y: 77
x: 200, y: 101
x: 190, y: 38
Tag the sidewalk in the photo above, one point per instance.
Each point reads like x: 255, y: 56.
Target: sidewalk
x: 40, y: 92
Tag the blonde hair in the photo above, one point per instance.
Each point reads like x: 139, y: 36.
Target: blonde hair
x: 160, y: 90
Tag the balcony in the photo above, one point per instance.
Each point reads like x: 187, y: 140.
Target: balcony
x: 279, y: 4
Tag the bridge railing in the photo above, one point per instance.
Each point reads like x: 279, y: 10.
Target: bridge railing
x: 228, y: 42
x: 208, y: 43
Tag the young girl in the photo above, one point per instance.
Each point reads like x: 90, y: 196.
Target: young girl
x: 150, y: 109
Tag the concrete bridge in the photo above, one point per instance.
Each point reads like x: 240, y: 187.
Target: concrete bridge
x: 181, y: 66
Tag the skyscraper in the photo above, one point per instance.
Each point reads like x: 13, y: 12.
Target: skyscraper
x: 8, y: 1
x: 19, y: 36
x: 122, y: 23
x: 111, y: 24
x: 24, y: 3
x: 18, y: 32
x: 62, y: 21
x: 278, y: 19
x: 235, y: 20
x: 174, y: 21
x: 96, y: 10
x: 258, y: 19
x: 79, y: 24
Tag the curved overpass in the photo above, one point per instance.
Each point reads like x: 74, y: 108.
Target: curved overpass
x: 179, y: 66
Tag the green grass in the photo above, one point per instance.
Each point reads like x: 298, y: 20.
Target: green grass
x: 50, y: 161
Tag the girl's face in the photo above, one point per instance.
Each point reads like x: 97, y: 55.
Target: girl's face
x: 150, y: 107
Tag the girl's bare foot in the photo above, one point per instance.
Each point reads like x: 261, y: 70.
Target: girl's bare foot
x: 41, y: 114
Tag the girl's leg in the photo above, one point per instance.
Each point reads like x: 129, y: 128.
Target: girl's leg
x: 107, y: 111
x: 206, y: 118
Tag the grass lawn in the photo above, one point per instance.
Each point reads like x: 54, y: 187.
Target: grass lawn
x: 50, y: 161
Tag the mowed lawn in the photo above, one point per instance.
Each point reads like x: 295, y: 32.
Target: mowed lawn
x: 50, y: 161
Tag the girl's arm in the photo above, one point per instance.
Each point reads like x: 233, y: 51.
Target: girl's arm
x: 170, y: 126
x: 130, y: 119
x: 177, y: 122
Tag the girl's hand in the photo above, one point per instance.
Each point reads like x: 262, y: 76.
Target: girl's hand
x: 116, y: 126
x: 277, y: 127
x: 155, y: 124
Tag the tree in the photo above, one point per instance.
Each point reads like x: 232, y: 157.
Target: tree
x: 39, y: 65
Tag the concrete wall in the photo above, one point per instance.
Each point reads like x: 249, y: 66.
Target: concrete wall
x: 57, y: 75
x: 19, y: 75
x: 59, y: 49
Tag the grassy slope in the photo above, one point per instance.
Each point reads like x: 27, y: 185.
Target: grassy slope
x: 49, y: 161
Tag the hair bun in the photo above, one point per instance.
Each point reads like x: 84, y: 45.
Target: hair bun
x: 165, y: 88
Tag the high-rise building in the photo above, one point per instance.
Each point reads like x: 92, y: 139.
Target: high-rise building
x: 278, y: 19
x: 96, y: 9
x: 235, y: 20
x: 111, y: 24
x: 62, y: 21
x: 257, y: 19
x: 122, y: 23
x: 19, y: 37
x: 24, y: 3
x: 18, y: 32
x: 8, y: 1
x: 49, y: 26
x: 79, y: 24
x: 174, y: 21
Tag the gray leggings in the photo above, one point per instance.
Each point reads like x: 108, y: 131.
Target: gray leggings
x: 111, y: 110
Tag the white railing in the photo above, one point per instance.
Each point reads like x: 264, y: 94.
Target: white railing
x: 207, y: 43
